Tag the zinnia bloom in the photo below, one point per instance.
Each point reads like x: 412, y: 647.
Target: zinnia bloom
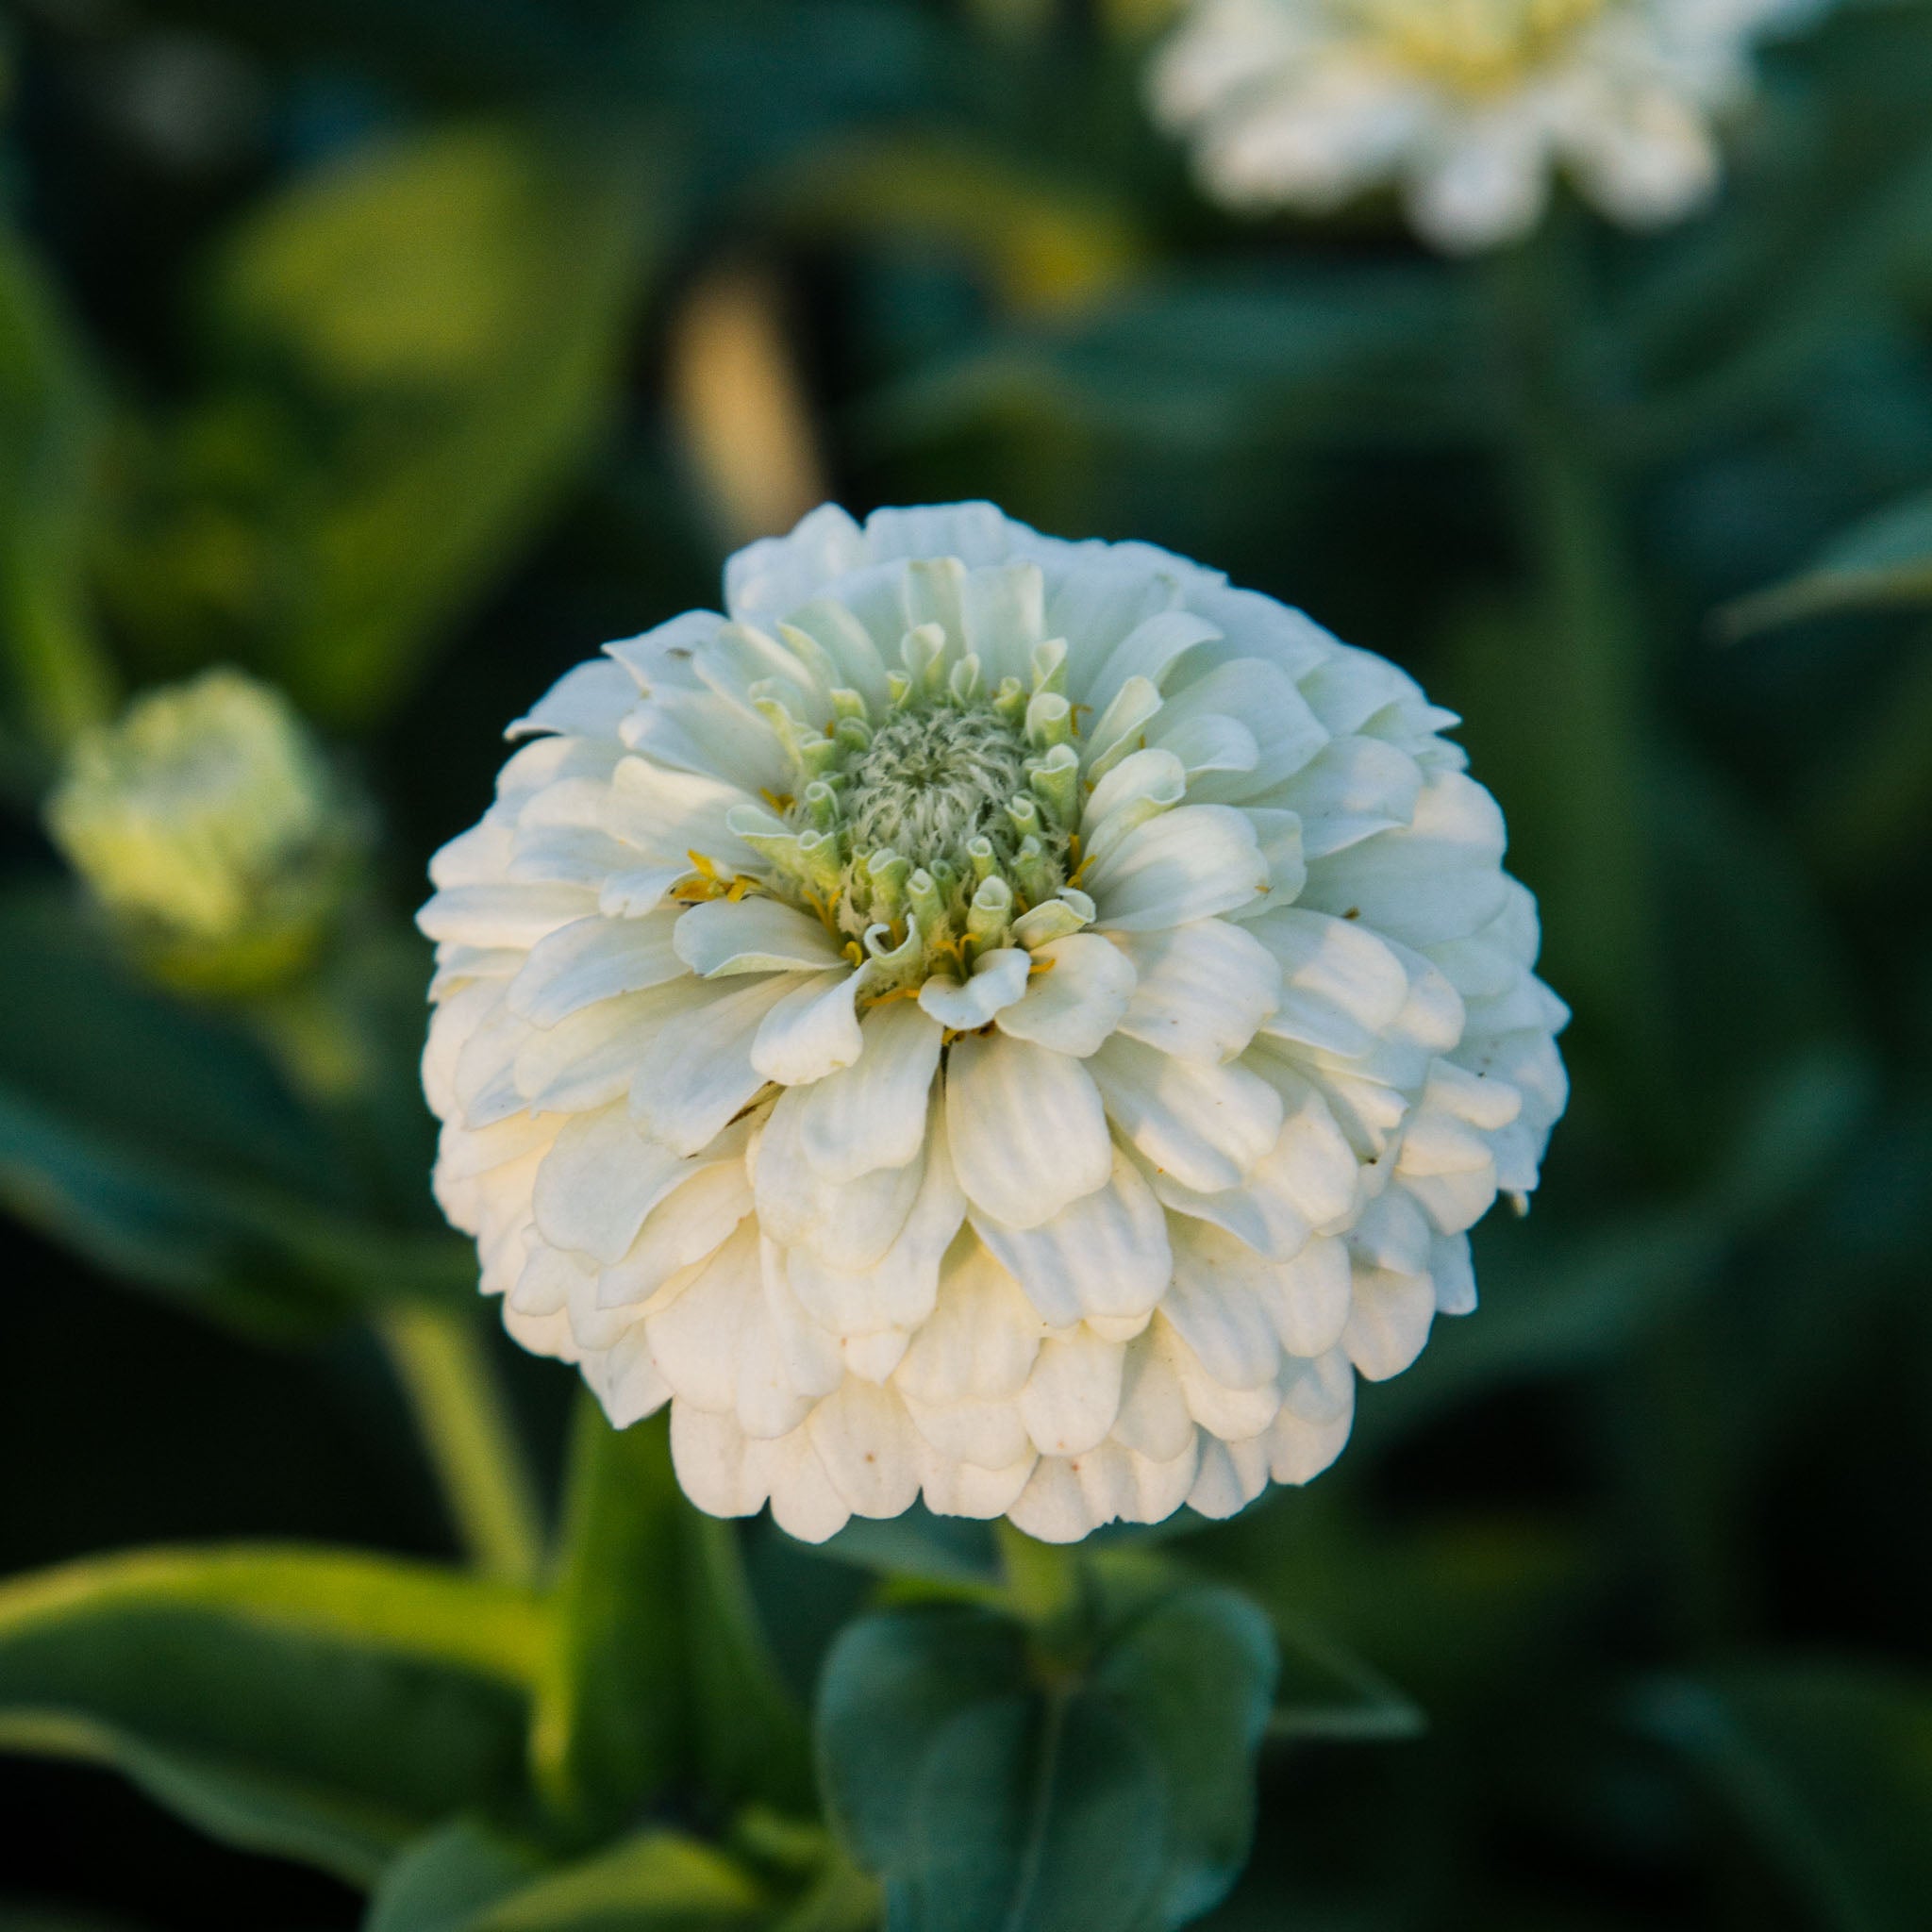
x: 1013, y: 1021
x: 1467, y: 104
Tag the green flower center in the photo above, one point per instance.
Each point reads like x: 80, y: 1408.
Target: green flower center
x: 929, y: 784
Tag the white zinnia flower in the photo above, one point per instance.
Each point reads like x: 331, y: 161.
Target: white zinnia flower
x: 1013, y: 1019
x: 1468, y: 104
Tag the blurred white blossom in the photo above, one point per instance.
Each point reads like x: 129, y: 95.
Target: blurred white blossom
x: 1466, y: 106
x: 1016, y: 1021
x: 210, y: 824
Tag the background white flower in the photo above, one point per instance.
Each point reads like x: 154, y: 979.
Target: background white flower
x: 1016, y: 1021
x: 1469, y: 106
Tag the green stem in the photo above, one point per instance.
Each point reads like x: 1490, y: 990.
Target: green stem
x: 1582, y: 691
x: 442, y: 1362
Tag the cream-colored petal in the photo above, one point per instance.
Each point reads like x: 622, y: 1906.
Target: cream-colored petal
x: 1106, y: 1253
x: 1207, y: 1126
x: 1079, y: 990
x: 1025, y: 1126
x: 753, y: 935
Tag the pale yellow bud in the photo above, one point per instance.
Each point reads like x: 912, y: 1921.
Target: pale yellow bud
x: 210, y: 824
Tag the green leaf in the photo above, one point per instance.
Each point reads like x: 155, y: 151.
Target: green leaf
x: 657, y: 1882
x: 1329, y: 1694
x: 614, y: 1715
x: 159, y: 1138
x: 988, y: 1787
x: 753, y: 1742
x: 321, y: 1706
x: 1883, y: 563
x: 661, y: 1671
x: 444, y: 1881
x: 1829, y: 1766
x: 416, y: 351
x: 467, y: 1878
x: 1197, y: 1676
x: 1224, y: 360
x: 49, y: 427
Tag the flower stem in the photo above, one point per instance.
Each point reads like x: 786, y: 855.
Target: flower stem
x: 441, y: 1360
x: 1581, y: 693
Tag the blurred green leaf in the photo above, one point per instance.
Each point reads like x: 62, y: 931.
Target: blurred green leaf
x: 416, y: 350
x: 614, y: 1724
x: 325, y: 1706
x: 1046, y: 244
x: 1882, y: 564
x: 1327, y: 1693
x: 444, y: 1881
x: 661, y: 1671
x: 56, y: 662
x: 1220, y: 361
x: 467, y: 1879
x: 1828, y: 1766
x: 990, y: 1788
x: 159, y: 1140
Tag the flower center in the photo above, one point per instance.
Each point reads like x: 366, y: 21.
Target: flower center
x: 937, y: 827
x: 928, y: 785
x: 1475, y: 47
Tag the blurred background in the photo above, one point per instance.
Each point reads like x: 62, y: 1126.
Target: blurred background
x: 400, y: 352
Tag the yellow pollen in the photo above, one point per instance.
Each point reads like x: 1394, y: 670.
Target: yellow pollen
x: 706, y: 882
x: 780, y: 802
x: 1039, y: 966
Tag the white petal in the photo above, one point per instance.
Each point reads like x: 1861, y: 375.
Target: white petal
x: 592, y: 960
x: 698, y: 1074
x: 591, y: 1057
x: 865, y: 1440
x: 1308, y: 1298
x: 1189, y: 863
x: 812, y: 1032
x: 1388, y: 1320
x: 981, y: 1340
x: 1106, y: 1253
x: 625, y: 1379
x: 1154, y: 1418
x: 1025, y: 1126
x: 753, y: 935
x: 955, y: 1487
x: 1438, y: 879
x: 900, y: 1288
x: 1052, y: 1507
x: 599, y: 1182
x: 806, y: 1502
x: 1352, y: 789
x: 1121, y: 1485
x: 1271, y: 712
x: 998, y: 979
x: 717, y: 1466
x: 1076, y: 997
x: 768, y: 1404
x: 872, y: 1357
x: 1207, y: 1126
x: 873, y: 1113
x: 1231, y: 1475
x: 1340, y: 985
x: 1203, y: 989
x: 1073, y: 1393
x: 1216, y: 1308
x: 696, y: 1218
x: 507, y: 915
x: 984, y: 1434
x: 814, y: 1364
x: 695, y: 1339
